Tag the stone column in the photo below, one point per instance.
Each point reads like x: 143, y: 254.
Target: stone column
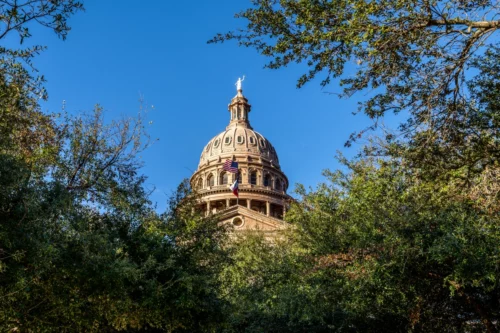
x: 227, y: 203
x: 284, y: 211
x: 268, y: 208
x: 208, y: 207
x: 249, y: 204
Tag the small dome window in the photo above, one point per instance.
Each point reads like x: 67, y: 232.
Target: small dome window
x: 208, y: 147
x: 224, y: 179
x: 240, y: 139
x: 253, y: 178
x: 227, y: 140
x: 267, y: 180
x: 252, y: 140
x: 210, y: 180
x: 262, y: 143
x: 216, y: 143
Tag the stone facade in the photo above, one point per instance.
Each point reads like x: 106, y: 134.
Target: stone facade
x: 262, y: 185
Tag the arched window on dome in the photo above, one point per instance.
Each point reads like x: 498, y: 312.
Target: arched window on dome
x: 224, y: 178
x: 199, y: 183
x: 277, y: 184
x: 267, y: 180
x: 252, y: 177
x: 210, y: 180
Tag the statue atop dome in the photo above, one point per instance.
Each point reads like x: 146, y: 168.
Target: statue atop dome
x: 238, y: 83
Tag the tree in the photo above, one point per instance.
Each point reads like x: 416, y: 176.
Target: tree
x: 81, y: 245
x: 412, y: 54
x: 82, y: 249
x: 429, y: 59
x: 407, y: 250
x: 371, y: 250
x: 24, y: 129
x: 15, y: 17
x: 466, y: 156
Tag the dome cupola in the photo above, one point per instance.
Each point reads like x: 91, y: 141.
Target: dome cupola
x: 239, y: 109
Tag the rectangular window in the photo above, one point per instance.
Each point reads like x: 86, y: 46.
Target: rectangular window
x: 253, y: 178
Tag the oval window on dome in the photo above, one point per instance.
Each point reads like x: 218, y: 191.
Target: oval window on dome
x: 227, y: 140
x: 208, y: 147
x: 262, y: 143
x: 237, y: 222
x: 240, y: 139
x: 216, y: 143
x: 252, y: 140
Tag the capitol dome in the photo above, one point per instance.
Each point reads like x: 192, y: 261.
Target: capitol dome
x: 262, y: 200
x: 236, y: 140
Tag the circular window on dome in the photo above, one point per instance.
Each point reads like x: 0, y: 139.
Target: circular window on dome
x: 240, y: 139
x: 262, y: 143
x: 216, y: 143
x: 252, y: 140
x: 237, y: 222
x: 227, y: 140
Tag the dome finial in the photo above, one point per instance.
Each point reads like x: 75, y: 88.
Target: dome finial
x: 238, y: 83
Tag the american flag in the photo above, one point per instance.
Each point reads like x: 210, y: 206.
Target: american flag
x: 231, y: 166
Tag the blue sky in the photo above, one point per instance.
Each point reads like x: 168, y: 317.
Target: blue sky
x: 120, y: 50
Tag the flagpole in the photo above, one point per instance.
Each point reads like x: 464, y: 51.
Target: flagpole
x: 231, y: 166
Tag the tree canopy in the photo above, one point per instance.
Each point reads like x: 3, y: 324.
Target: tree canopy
x: 412, y: 55
x: 407, y: 238
x: 372, y: 250
x: 82, y: 247
x: 404, y: 239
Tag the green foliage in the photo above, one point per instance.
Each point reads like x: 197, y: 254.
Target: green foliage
x: 372, y: 250
x: 82, y: 249
x: 26, y: 132
x: 81, y: 246
x: 407, y: 242
x: 16, y: 16
x: 411, y: 55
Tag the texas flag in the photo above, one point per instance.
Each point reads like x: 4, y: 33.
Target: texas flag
x: 234, y: 187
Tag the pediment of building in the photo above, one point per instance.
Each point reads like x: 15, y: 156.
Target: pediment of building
x: 252, y: 220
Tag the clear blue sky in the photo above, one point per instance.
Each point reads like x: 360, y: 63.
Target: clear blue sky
x: 119, y: 50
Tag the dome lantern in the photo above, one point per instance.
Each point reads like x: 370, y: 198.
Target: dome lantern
x: 239, y: 108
